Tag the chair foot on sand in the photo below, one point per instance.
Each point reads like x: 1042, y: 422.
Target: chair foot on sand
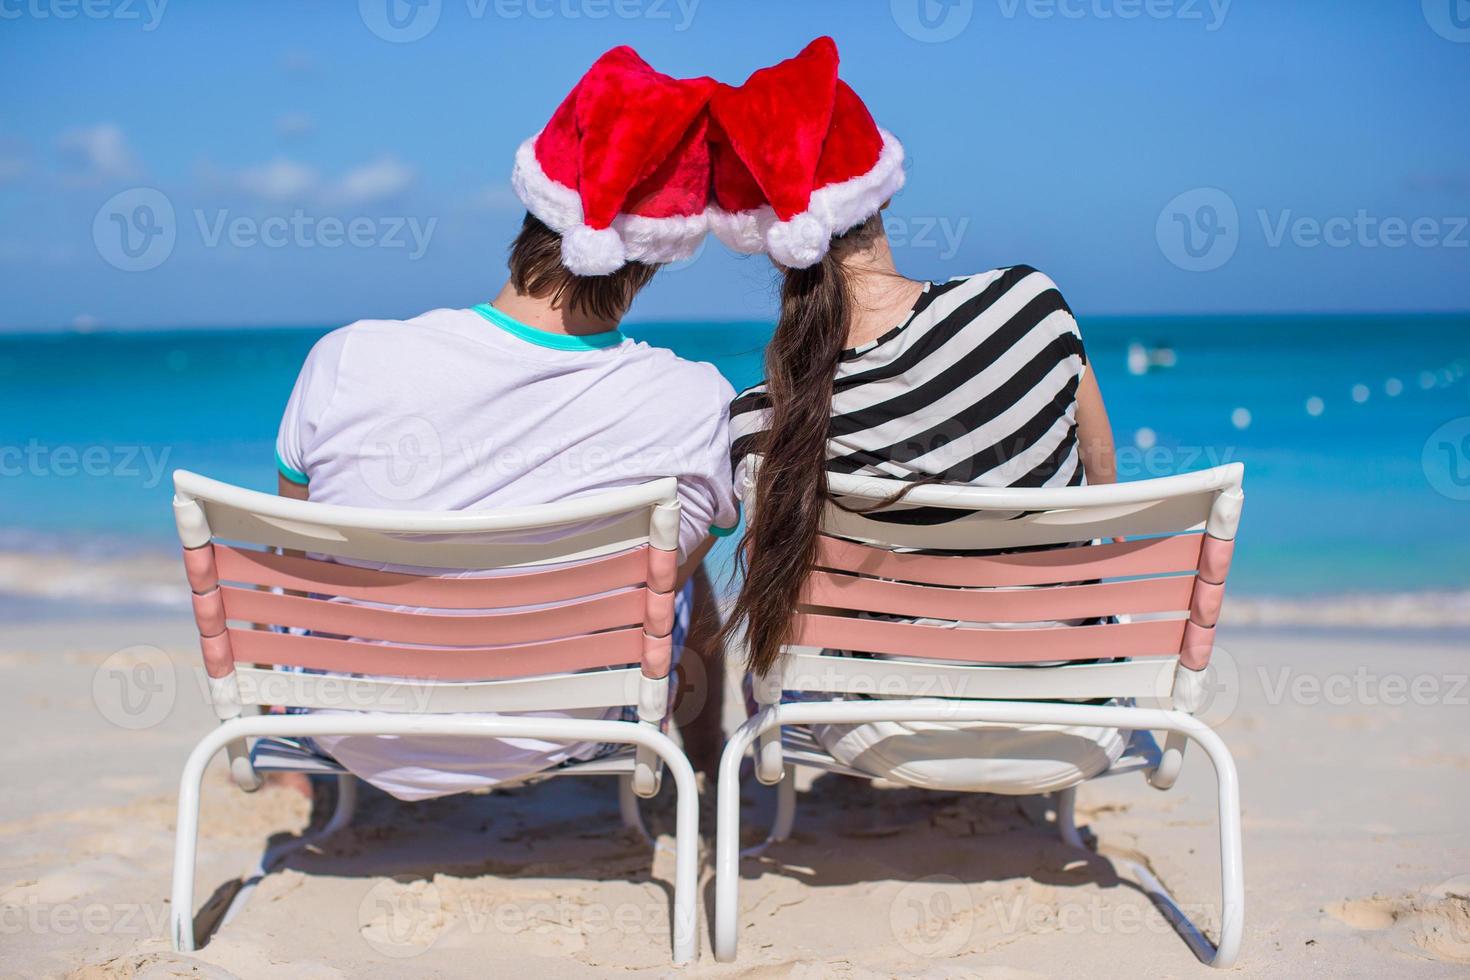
x: 686, y: 835
x: 343, y: 808
x: 1232, y: 893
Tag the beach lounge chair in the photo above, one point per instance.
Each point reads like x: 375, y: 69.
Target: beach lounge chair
x: 1164, y: 583
x: 599, y: 571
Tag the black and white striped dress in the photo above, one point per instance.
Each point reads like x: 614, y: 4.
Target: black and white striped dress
x: 977, y: 385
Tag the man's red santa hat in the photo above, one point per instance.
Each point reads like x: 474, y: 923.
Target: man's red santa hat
x: 797, y: 159
x: 621, y: 171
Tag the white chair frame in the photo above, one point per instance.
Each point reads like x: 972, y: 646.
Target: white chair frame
x: 1210, y: 500
x: 616, y: 521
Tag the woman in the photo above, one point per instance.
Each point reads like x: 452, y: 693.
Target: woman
x: 980, y: 380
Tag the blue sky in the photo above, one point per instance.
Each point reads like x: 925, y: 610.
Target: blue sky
x: 1315, y: 153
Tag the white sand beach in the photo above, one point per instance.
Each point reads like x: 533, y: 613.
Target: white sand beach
x: 1354, y: 756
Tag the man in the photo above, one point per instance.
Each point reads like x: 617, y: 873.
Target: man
x: 536, y: 396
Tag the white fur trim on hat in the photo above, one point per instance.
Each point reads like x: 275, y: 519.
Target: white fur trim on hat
x: 632, y: 237
x: 742, y: 231
x: 659, y: 240
x: 805, y: 238
x: 842, y: 207
x: 799, y: 242
x: 593, y: 251
x: 559, y: 206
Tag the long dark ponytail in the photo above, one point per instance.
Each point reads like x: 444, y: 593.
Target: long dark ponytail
x: 791, y: 484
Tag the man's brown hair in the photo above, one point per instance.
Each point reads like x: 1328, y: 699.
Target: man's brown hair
x: 536, y: 270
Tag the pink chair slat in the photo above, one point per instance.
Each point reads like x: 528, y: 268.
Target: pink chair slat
x: 1149, y: 556
x: 209, y: 612
x: 1000, y: 606
x: 1196, y: 646
x: 1061, y: 643
x: 663, y: 569
x: 219, y: 656
x: 658, y: 655
x: 1204, y: 607
x: 350, y: 619
x: 658, y: 618
x: 617, y: 571
x: 1214, y: 559
x: 199, y: 567
x: 613, y: 649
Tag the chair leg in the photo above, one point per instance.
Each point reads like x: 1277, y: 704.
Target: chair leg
x: 1232, y: 874
x: 785, y: 806
x: 346, y: 806
x: 1066, y: 804
x: 1232, y: 870
x: 785, y: 814
x: 727, y: 837
x: 686, y: 857
x: 686, y: 844
x: 273, y: 857
x: 628, y: 805
x: 186, y: 846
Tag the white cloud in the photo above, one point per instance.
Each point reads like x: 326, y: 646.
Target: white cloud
x: 371, y: 182
x: 284, y: 180
x: 278, y: 180
x: 98, y: 153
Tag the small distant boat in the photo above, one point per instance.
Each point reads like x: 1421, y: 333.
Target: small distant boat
x: 1142, y: 358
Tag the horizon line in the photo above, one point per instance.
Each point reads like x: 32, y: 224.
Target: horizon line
x: 110, y: 328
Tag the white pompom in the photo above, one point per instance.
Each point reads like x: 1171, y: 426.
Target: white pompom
x: 593, y: 252
x: 798, y: 243
x: 743, y: 231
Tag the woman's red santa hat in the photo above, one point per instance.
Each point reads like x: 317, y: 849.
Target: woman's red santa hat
x: 622, y: 170
x: 797, y: 159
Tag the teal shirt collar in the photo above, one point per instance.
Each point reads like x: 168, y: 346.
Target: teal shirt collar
x: 543, y: 338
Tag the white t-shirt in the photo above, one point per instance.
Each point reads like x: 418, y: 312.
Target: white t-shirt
x: 470, y: 409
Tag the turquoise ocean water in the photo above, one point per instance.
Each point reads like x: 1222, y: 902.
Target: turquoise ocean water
x: 1364, y: 496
